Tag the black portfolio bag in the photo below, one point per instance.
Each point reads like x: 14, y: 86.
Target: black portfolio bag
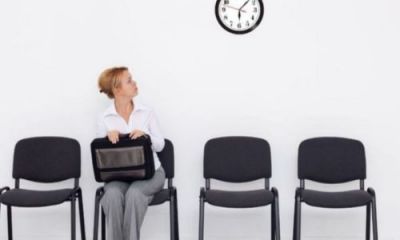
x: 127, y: 160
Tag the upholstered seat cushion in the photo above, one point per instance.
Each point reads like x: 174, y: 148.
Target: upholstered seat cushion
x: 239, y: 199
x: 161, y: 197
x: 33, y: 198
x: 346, y: 199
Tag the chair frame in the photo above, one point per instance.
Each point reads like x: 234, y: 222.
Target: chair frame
x: 370, y: 207
x: 275, y: 225
x: 76, y: 194
x: 173, y: 208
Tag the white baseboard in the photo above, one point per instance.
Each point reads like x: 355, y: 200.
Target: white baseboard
x: 192, y: 237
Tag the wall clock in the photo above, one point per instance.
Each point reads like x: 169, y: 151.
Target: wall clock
x: 239, y: 16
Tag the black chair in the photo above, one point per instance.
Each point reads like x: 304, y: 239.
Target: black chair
x: 333, y: 160
x: 238, y: 160
x: 45, y: 160
x: 166, y: 157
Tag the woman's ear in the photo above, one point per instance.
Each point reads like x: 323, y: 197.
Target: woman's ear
x: 116, y: 90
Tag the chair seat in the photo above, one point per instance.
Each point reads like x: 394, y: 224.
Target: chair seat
x: 346, y: 199
x: 32, y: 198
x: 160, y: 197
x: 239, y: 199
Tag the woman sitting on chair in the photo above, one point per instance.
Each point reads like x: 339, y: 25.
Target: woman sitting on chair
x: 125, y: 203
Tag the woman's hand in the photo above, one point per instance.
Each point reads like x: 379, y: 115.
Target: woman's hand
x: 113, y: 136
x: 136, y: 133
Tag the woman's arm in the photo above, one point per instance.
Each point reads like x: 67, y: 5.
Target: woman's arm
x: 155, y: 134
x: 113, y: 135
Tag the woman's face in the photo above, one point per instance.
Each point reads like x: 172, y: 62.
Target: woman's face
x: 127, y: 87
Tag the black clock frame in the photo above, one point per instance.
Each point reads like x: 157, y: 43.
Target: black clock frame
x: 236, y: 31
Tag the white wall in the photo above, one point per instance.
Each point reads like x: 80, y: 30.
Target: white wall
x: 311, y: 68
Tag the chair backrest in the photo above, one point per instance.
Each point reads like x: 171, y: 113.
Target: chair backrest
x: 237, y: 159
x: 166, y: 157
x: 47, y: 159
x: 331, y: 160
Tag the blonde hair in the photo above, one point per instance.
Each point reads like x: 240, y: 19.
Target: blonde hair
x: 110, y: 79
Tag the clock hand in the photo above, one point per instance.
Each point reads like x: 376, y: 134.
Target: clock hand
x: 235, y: 8
x: 240, y: 9
x: 244, y: 4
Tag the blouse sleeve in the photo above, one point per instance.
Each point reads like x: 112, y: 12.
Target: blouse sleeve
x: 101, y: 130
x: 155, y: 134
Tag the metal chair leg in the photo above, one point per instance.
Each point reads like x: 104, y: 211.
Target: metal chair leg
x: 176, y: 216
x: 73, y: 219
x: 297, y: 222
x: 171, y: 216
x: 81, y: 216
x: 277, y: 222
x: 96, y: 218
x: 103, y: 225
x: 374, y: 219
x: 9, y: 222
x: 273, y: 233
x: 368, y: 223
x: 201, y: 220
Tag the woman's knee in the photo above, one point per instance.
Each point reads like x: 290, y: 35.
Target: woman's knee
x: 113, y: 198
x: 133, y: 193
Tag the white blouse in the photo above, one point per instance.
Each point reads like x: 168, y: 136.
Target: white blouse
x: 142, y: 118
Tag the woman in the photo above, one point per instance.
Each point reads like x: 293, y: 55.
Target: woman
x: 125, y: 203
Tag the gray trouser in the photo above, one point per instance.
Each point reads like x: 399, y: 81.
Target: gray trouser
x: 125, y: 205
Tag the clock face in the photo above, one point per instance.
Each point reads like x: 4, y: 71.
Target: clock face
x: 239, y: 16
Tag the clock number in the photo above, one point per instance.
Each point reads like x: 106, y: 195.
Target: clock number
x: 252, y: 17
x: 239, y: 25
x: 254, y: 2
x: 231, y: 23
x: 223, y: 9
x: 226, y: 2
x: 255, y: 10
x: 247, y: 23
x: 225, y: 17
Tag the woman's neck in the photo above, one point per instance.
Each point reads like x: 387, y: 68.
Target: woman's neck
x: 123, y: 105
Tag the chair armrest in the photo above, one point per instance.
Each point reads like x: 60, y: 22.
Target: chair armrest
x: 170, y: 183
x: 100, y: 191
x: 4, y: 189
x: 202, y: 192
x: 371, y: 191
x: 274, y: 190
x: 172, y: 191
x: 298, y: 192
x: 76, y: 190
